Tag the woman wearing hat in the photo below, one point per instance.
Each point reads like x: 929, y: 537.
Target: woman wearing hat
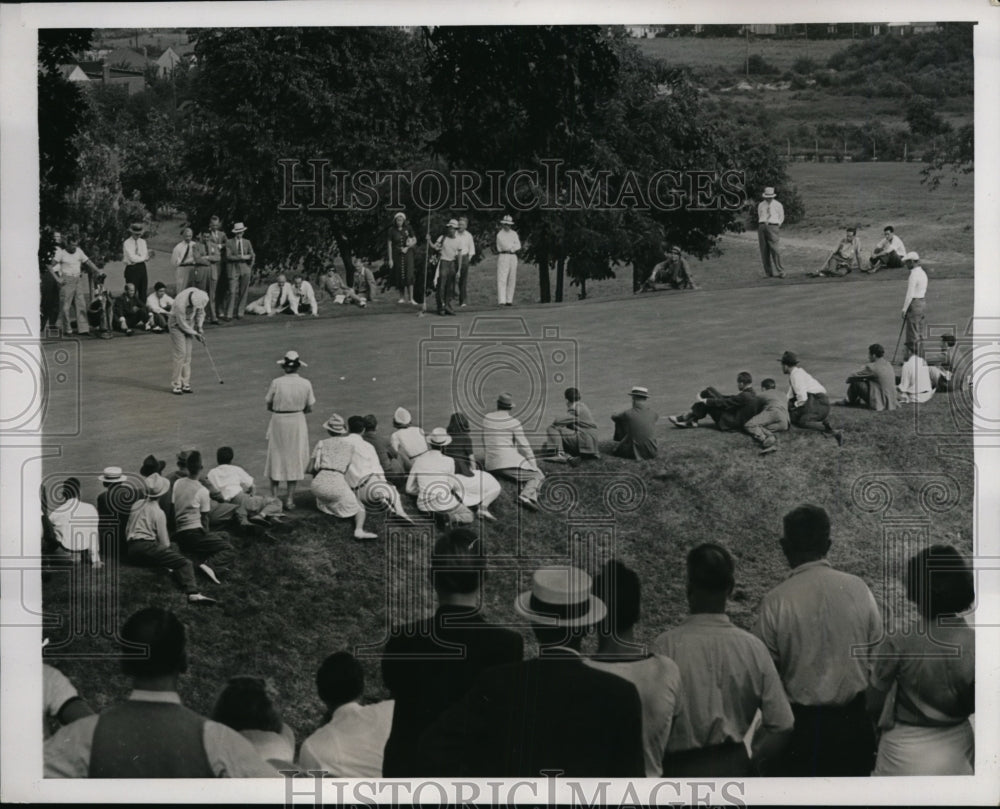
x: 432, y: 481
x: 149, y: 543
x: 330, y: 459
x: 479, y: 488
x: 399, y: 253
x: 508, y: 244
x: 289, y: 398
x: 136, y: 255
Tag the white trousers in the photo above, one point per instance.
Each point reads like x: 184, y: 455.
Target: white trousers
x: 506, y: 277
x: 181, y: 344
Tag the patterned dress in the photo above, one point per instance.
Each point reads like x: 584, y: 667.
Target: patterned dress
x: 330, y: 459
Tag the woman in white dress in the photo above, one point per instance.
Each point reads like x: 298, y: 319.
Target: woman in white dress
x: 479, y: 487
x: 923, y: 683
x: 330, y: 459
x: 288, y: 399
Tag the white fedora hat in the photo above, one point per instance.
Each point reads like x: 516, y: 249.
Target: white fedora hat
x: 507, y: 220
x: 112, y: 474
x: 769, y: 193
x: 239, y: 227
x: 560, y: 596
x: 438, y: 437
x: 290, y: 358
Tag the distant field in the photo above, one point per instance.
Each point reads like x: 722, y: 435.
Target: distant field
x: 729, y: 52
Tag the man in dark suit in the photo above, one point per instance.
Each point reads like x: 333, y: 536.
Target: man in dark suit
x: 729, y: 412
x: 553, y: 713
x: 431, y: 664
x: 635, y: 429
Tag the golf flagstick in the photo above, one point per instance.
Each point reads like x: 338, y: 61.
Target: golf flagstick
x: 427, y: 259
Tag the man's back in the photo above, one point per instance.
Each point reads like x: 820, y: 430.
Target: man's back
x: 817, y: 624
x: 885, y: 381
x: 551, y: 713
x: 772, y: 401
x: 502, y: 438
x: 431, y: 664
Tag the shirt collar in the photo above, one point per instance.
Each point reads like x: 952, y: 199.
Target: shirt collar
x: 561, y: 651
x: 707, y: 619
x: 141, y: 695
x: 807, y: 566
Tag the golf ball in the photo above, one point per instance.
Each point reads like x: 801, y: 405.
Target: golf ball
x: 373, y: 379
x: 343, y: 378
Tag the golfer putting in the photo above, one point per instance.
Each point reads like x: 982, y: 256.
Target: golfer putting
x: 185, y: 325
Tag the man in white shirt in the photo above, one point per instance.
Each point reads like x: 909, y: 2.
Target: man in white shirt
x: 75, y: 525
x: 508, y: 452
x: 888, y: 253
x: 808, y: 403
x: 136, y: 255
x: 186, y: 323
x: 915, y: 379
x: 68, y: 264
x: 365, y: 475
x: 468, y: 251
x: 770, y: 218
x: 184, y: 258
x: 432, y: 480
x: 451, y: 249
x: 915, y: 305
x: 351, y: 743
x: 236, y: 486
x: 408, y: 440
x: 508, y: 245
x: 159, y: 304
x: 305, y: 297
x: 279, y: 299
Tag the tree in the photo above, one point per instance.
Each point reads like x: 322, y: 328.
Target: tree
x: 954, y: 153
x: 62, y: 112
x: 354, y: 96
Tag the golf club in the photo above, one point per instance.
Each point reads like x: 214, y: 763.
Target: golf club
x: 216, y: 370
x: 903, y: 326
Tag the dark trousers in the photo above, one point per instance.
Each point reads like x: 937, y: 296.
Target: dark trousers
x: 200, y: 547
x: 891, y: 260
x: 136, y: 274
x: 728, y: 760
x: 463, y: 277
x: 149, y: 553
x: 770, y: 249
x: 446, y: 286
x: 50, y: 301
x: 859, y: 392
x: 813, y: 414
x: 699, y: 409
x: 829, y: 741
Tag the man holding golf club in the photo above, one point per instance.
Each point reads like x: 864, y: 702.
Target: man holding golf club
x: 186, y: 324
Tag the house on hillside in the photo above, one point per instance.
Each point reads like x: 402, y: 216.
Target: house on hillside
x: 127, y: 59
x: 132, y: 81
x: 168, y: 60
x: 73, y: 73
x: 905, y: 29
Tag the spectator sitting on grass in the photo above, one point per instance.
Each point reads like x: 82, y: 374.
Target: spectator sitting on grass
x: 333, y: 285
x: 635, y: 428
x: 62, y: 702
x: 432, y: 481
x: 351, y: 742
x: 408, y: 440
x: 158, y: 304
x: 305, y: 297
x: 888, y: 253
x: 728, y: 412
x: 846, y: 253
x: 364, y: 282
x: 874, y: 386
x: 943, y: 372
x: 771, y: 418
x: 915, y: 379
x: 129, y: 312
x: 249, y: 705
x: 279, y: 299
x: 237, y: 487
x: 573, y: 437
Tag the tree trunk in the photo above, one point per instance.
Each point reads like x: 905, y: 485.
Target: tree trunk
x: 583, y: 288
x: 544, y: 289
x: 344, y: 248
x: 560, y: 274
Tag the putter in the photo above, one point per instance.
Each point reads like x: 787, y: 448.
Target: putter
x: 216, y: 370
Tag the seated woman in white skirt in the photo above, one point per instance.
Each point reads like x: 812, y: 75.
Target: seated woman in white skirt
x: 923, y: 695
x: 480, y: 487
x: 432, y: 480
x: 329, y: 461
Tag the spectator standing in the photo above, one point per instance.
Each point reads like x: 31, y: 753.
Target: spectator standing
x: 819, y: 626
x: 239, y: 266
x: 399, y: 255
x: 151, y: 734
x: 352, y: 740
x: 68, y: 264
x: 915, y: 303
x: 288, y: 399
x: 727, y: 676
x: 522, y: 719
x: 184, y: 258
x: 450, y: 247
x: 655, y: 676
x: 465, y: 260
x: 508, y: 245
x: 770, y: 218
x: 136, y: 255
x: 217, y: 275
x: 925, y: 696
x: 420, y: 667
x: 209, y: 260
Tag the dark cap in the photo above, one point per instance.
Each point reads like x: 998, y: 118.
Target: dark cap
x: 789, y: 358
x: 151, y: 465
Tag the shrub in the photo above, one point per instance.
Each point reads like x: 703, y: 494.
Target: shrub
x: 804, y: 65
x: 757, y: 65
